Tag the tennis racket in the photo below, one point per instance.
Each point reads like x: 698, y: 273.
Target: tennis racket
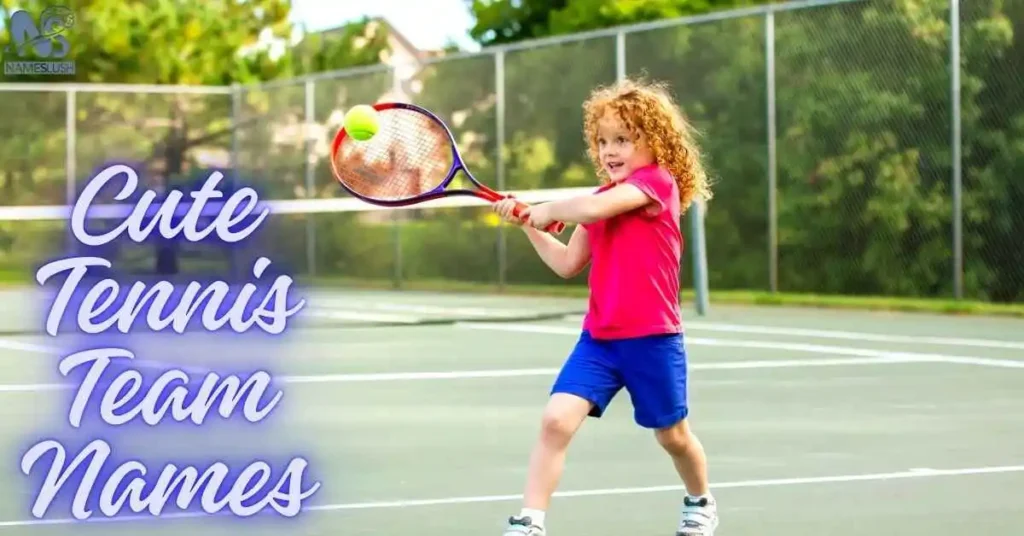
x: 411, y: 159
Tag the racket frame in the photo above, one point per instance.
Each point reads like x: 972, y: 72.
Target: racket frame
x: 441, y: 190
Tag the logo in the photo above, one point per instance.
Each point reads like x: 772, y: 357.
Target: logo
x: 42, y: 49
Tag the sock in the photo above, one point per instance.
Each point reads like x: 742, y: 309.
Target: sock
x: 707, y: 496
x: 537, y: 516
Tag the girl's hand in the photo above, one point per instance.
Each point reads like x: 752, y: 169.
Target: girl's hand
x: 504, y: 209
x: 539, y: 216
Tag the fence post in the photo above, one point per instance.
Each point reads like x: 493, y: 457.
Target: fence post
x: 499, y: 122
x: 310, y: 175
x: 398, y: 89
x: 234, y: 179
x: 620, y: 56
x: 956, y: 142
x: 70, y: 145
x: 236, y: 119
x: 773, y: 216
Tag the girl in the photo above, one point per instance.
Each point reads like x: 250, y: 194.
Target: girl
x: 629, y: 231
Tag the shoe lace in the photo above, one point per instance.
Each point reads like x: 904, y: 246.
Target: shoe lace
x: 695, y: 513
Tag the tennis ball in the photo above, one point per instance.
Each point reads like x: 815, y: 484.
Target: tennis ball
x: 361, y: 122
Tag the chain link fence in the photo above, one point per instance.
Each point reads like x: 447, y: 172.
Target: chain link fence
x: 858, y: 147
x: 864, y: 170
x: 992, y: 161
x: 717, y: 70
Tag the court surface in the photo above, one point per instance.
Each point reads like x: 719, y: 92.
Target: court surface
x: 417, y: 413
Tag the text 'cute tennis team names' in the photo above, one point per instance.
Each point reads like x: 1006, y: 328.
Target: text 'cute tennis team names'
x: 120, y: 394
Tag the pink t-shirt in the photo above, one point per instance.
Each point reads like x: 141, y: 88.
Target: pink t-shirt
x: 635, y: 260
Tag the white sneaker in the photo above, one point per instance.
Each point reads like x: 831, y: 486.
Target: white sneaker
x: 522, y: 526
x: 699, y: 517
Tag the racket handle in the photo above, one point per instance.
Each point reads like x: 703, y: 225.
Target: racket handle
x: 554, y: 227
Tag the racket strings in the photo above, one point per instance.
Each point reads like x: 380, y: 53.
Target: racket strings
x: 409, y: 155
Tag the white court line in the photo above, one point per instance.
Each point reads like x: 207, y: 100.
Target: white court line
x: 982, y: 361
x: 414, y: 308
x: 860, y: 356
x: 863, y: 352
x: 858, y: 336
x: 678, y: 488
x: 34, y: 387
x: 411, y: 376
x: 41, y: 349
x: 770, y: 345
x: 845, y: 335
x: 26, y: 347
x: 512, y: 373
x: 605, y: 492
x: 361, y: 315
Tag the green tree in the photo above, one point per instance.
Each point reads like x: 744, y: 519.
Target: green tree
x: 187, y: 42
x: 993, y: 130
x: 863, y: 102
x: 113, y: 42
x: 273, y: 145
x: 544, y: 88
x: 357, y: 43
x: 508, y: 21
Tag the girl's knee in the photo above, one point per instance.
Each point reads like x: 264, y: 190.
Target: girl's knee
x: 675, y: 438
x: 562, y: 417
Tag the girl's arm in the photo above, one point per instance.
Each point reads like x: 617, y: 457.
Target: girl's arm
x: 591, y: 208
x: 566, y: 260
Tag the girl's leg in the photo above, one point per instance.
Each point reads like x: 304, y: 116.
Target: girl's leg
x: 585, y: 387
x: 562, y: 418
x: 699, y: 516
x: 688, y: 456
x: 655, y: 371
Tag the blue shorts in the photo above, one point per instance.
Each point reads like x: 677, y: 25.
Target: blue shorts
x: 652, y: 369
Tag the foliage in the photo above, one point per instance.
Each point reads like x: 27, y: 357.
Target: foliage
x: 163, y: 42
x: 864, y: 162
x: 166, y: 43
x: 355, y: 44
x: 863, y: 117
x: 508, y: 21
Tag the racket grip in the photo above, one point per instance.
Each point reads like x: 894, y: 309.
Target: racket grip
x: 555, y: 227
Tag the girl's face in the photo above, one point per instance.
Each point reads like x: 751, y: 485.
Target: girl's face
x: 620, y: 152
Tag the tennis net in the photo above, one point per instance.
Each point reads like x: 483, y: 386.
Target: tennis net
x: 342, y: 249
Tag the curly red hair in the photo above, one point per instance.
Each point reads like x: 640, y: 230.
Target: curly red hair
x: 648, y: 111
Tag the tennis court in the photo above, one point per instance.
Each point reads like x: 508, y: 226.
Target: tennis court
x: 417, y: 412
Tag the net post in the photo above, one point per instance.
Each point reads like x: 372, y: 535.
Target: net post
x: 698, y: 253
x: 499, y: 127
